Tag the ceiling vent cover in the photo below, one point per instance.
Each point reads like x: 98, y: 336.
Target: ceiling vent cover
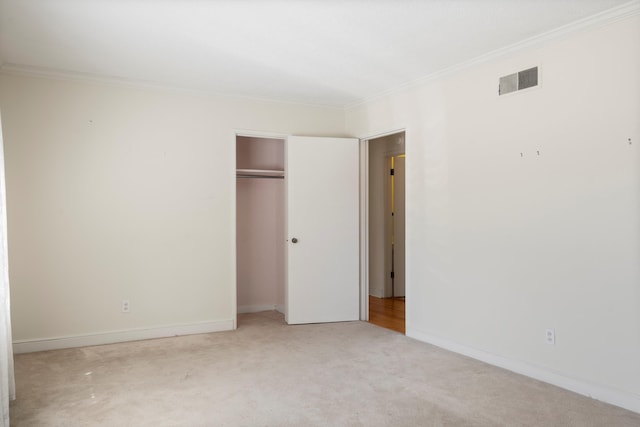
x: 518, y: 81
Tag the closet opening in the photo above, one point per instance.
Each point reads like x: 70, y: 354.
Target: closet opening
x: 386, y: 231
x: 260, y: 224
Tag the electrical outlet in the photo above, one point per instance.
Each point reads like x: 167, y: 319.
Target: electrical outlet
x: 551, y: 336
x: 126, y: 307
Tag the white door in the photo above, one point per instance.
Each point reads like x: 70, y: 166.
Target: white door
x: 322, y: 230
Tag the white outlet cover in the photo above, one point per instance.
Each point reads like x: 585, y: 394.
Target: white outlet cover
x: 551, y: 336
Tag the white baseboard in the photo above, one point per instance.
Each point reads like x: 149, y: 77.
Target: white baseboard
x: 280, y: 308
x: 255, y: 308
x: 615, y: 397
x: 378, y: 293
x: 29, y: 346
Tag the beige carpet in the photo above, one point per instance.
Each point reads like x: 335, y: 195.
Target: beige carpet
x: 269, y: 374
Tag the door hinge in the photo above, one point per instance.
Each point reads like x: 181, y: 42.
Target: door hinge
x: 392, y: 275
x: 391, y: 171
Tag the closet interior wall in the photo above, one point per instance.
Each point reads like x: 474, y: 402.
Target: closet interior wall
x: 260, y: 224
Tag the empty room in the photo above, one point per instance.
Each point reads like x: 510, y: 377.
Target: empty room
x: 320, y: 213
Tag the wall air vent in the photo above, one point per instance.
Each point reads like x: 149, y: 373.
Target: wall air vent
x: 518, y: 81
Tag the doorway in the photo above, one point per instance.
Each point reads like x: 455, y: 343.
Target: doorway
x: 289, y: 215
x: 386, y: 231
x: 260, y: 224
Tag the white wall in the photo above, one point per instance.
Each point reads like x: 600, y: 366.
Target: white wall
x: 120, y: 193
x: 501, y: 247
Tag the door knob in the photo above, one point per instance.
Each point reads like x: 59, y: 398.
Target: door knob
x: 294, y: 240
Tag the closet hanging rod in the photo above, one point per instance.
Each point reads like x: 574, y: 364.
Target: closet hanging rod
x: 259, y: 173
x: 260, y: 176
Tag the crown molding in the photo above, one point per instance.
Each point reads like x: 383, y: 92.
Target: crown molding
x: 606, y: 17
x: 56, y: 74
x: 8, y: 68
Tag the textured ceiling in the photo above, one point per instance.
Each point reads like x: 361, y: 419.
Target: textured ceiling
x: 322, y: 52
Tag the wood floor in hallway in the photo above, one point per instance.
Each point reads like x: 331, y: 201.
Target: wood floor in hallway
x: 387, y: 313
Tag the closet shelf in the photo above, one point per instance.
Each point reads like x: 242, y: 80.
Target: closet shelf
x: 259, y: 173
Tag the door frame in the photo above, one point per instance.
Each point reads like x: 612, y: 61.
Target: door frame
x: 364, y: 217
x: 232, y: 172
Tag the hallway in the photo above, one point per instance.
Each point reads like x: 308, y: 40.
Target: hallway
x: 387, y: 313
